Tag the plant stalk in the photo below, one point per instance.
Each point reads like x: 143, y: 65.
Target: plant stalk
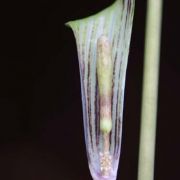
x: 150, y: 90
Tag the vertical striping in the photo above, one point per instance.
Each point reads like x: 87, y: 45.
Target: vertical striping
x: 97, y: 110
x: 87, y: 38
x: 90, y: 93
x: 120, y: 47
x: 115, y: 42
x: 86, y: 92
x: 120, y: 95
x: 115, y: 88
x: 114, y: 22
x: 113, y: 136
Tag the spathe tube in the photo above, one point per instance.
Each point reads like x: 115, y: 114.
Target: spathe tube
x: 103, y: 138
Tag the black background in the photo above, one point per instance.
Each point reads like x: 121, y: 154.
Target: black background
x: 41, y: 130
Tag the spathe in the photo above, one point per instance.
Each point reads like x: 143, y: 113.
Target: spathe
x: 115, y: 23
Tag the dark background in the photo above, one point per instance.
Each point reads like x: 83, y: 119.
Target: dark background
x: 41, y: 130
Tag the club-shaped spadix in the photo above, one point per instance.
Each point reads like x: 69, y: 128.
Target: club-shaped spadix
x: 103, y: 46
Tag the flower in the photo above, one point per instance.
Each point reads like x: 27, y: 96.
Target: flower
x: 103, y: 46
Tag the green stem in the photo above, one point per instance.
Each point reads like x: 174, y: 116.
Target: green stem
x: 150, y: 90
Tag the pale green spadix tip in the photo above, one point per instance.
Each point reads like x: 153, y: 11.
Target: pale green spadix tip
x: 105, y: 125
